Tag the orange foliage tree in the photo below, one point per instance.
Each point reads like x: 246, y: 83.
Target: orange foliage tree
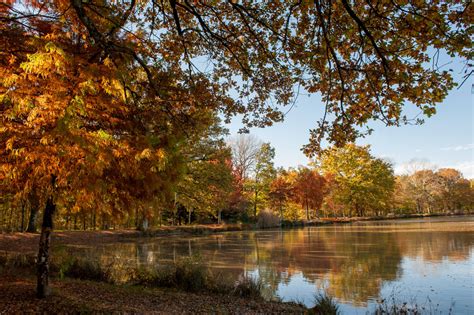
x: 309, y: 188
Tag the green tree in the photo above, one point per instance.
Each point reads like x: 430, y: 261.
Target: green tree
x: 362, y: 183
x: 258, y: 187
x: 208, y: 181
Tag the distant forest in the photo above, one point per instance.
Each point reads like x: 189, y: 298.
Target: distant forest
x: 236, y: 182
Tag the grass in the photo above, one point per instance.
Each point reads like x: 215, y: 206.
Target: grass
x: 248, y: 286
x: 325, y: 305
x: 392, y: 306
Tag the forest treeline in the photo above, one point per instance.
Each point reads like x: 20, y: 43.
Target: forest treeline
x: 236, y: 181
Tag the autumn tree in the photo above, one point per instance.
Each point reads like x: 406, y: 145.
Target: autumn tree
x: 280, y: 191
x: 362, y: 183
x: 425, y: 186
x: 454, y: 189
x: 81, y: 122
x: 309, y: 188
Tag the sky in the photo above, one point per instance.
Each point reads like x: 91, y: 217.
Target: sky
x: 444, y: 140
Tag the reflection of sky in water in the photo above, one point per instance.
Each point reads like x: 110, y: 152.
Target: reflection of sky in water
x: 357, y: 263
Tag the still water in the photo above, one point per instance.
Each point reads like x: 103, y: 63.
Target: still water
x: 429, y: 262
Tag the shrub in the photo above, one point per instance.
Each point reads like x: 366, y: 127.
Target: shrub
x: 267, y: 219
x: 248, y: 286
x: 84, y: 269
x: 12, y: 260
x: 189, y: 274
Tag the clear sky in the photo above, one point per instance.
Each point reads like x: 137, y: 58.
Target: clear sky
x: 444, y: 140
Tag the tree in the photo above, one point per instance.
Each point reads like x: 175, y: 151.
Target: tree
x: 81, y: 125
x: 362, y: 182
x: 453, y: 188
x: 264, y: 173
x: 207, y: 183
x: 244, y: 154
x: 424, y: 186
x: 309, y: 189
x: 280, y: 192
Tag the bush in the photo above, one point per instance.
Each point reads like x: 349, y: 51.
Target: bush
x: 84, y: 270
x: 267, y: 219
x: 189, y: 274
x: 11, y: 260
x: 248, y: 286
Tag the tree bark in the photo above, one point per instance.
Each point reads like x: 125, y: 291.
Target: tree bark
x: 23, y: 206
x: 42, y: 287
x: 34, y: 209
x: 255, y: 207
x: 307, y: 210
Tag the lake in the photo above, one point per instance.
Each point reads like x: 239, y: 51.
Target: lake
x: 428, y: 262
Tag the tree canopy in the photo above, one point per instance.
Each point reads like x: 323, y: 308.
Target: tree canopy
x: 364, y: 183
x: 366, y: 58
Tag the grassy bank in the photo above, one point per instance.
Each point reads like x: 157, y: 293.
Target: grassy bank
x: 80, y: 285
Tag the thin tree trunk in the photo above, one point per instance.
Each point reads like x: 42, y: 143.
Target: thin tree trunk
x: 281, y: 212
x: 42, y: 287
x: 23, y: 206
x: 75, y: 221
x: 307, y: 210
x: 68, y: 220
x: 34, y: 209
x: 10, y: 222
x: 189, y: 216
x: 255, y: 206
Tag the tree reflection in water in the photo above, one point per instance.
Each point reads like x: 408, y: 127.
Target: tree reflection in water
x: 351, y: 262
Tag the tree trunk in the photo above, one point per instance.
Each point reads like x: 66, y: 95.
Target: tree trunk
x: 281, y: 212
x: 23, y: 206
x: 42, y: 287
x: 189, y: 216
x: 307, y: 210
x: 32, y: 220
x: 68, y: 219
x: 34, y: 209
x: 75, y: 221
x: 255, y: 206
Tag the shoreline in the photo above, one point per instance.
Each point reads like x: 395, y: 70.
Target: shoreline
x: 27, y: 243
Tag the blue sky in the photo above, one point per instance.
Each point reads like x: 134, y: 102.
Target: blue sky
x: 444, y: 140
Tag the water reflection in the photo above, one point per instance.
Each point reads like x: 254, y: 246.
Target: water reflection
x: 355, y: 263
